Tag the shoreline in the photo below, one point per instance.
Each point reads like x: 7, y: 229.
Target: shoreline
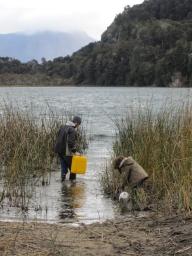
x: 152, y: 235
x: 42, y: 80
x: 90, y: 86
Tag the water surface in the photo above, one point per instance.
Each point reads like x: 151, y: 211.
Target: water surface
x: 99, y: 107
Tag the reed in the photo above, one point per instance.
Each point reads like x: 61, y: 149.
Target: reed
x: 26, y: 150
x: 161, y: 142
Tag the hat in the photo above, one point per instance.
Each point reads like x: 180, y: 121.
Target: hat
x: 76, y: 120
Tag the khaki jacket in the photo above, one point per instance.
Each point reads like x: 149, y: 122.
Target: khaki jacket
x: 132, y: 173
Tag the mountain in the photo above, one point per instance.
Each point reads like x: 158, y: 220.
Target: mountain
x: 45, y: 44
x: 149, y: 44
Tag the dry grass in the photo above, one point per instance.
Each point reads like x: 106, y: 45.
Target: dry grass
x: 26, y: 150
x: 162, y: 143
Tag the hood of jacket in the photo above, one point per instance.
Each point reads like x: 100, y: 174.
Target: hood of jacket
x: 127, y: 160
x: 69, y: 123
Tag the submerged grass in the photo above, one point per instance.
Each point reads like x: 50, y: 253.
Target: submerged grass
x: 161, y: 142
x: 26, y: 150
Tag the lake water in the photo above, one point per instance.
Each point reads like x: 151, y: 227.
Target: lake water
x: 99, y: 107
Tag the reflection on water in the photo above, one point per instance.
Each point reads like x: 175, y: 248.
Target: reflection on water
x: 72, y: 197
x: 83, y: 201
x: 79, y: 202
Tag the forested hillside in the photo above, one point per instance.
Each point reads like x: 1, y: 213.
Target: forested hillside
x: 147, y: 45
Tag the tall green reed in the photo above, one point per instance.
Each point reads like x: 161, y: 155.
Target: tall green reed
x: 162, y: 143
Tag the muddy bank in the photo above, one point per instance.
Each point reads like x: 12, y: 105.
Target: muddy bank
x: 136, y: 236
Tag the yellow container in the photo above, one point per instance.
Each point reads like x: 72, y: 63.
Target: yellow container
x: 79, y: 164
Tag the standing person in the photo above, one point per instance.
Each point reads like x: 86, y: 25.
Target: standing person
x: 66, y: 146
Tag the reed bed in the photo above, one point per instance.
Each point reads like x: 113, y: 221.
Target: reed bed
x: 27, y: 151
x: 162, y: 143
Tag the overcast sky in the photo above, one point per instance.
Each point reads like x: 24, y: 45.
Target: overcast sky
x: 90, y: 16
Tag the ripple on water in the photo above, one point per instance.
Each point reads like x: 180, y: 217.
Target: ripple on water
x: 83, y: 201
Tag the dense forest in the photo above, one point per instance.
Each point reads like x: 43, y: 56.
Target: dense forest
x: 147, y: 45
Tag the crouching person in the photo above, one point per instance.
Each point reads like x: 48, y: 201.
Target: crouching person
x: 65, y: 146
x: 132, y: 175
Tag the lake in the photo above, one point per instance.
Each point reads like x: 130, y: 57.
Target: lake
x: 99, y: 107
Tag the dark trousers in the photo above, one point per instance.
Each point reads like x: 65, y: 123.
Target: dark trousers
x: 66, y: 162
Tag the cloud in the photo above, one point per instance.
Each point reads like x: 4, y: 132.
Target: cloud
x: 90, y: 16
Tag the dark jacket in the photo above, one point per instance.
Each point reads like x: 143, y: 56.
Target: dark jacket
x: 66, y: 140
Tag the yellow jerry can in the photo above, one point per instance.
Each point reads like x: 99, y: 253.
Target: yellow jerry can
x: 79, y: 164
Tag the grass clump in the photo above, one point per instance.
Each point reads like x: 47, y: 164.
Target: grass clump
x: 27, y: 150
x: 161, y: 142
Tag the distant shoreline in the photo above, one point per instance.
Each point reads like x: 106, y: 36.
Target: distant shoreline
x: 88, y: 86
x: 42, y: 80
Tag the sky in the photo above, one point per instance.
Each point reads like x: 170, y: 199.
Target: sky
x: 90, y: 16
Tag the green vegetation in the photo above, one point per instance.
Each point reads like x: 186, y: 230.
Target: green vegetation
x: 147, y: 45
x: 27, y: 151
x: 161, y: 143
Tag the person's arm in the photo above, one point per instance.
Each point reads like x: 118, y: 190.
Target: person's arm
x: 125, y: 175
x: 72, y: 138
